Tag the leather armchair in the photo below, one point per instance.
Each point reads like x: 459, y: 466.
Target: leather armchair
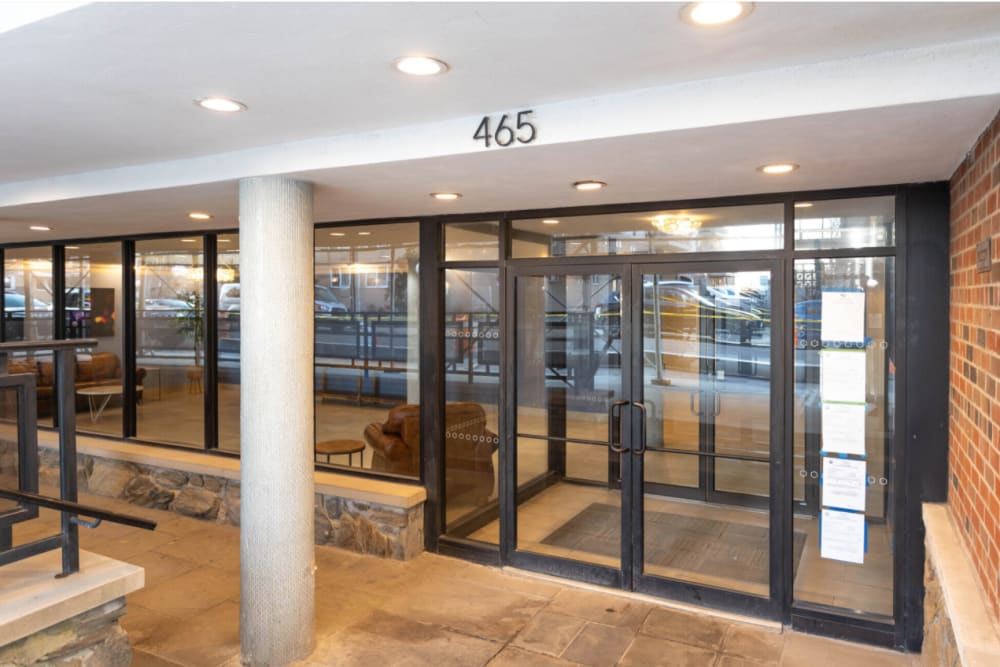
x: 469, y: 448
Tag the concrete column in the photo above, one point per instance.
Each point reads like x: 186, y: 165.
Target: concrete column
x: 277, y: 580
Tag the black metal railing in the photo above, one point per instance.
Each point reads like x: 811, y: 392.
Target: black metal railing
x: 26, y: 496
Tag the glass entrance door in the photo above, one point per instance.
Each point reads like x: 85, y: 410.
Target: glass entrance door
x: 570, y: 383
x: 702, y: 458
x: 643, y: 430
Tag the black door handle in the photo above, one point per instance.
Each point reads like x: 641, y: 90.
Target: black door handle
x: 642, y: 428
x: 613, y: 409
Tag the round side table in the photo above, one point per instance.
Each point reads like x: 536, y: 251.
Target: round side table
x: 330, y: 448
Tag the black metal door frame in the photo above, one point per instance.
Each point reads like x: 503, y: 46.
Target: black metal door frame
x: 629, y: 575
x: 511, y: 492
x: 771, y: 606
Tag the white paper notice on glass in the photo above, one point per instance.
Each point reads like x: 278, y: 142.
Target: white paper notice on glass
x: 842, y: 536
x: 844, y: 428
x: 844, y: 483
x: 843, y: 319
x: 842, y: 376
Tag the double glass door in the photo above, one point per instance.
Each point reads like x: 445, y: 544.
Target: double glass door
x: 646, y: 452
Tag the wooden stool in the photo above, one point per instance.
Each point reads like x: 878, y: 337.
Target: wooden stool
x: 330, y: 448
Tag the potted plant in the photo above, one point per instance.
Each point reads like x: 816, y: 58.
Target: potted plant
x: 191, y: 321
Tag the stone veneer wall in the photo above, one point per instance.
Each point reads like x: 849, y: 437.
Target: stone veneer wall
x: 974, y: 408
x: 90, y: 639
x: 940, y: 648
x: 368, y: 528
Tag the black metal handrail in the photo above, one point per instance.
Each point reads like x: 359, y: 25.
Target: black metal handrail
x: 77, y: 508
x: 64, y: 362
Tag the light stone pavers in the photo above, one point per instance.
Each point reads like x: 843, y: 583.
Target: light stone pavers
x: 431, y: 610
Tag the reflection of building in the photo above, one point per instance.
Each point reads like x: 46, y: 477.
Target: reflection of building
x: 648, y: 357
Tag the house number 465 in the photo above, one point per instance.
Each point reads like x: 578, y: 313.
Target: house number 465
x: 505, y: 134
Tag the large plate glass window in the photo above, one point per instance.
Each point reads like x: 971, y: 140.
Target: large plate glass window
x: 93, y: 307
x: 28, y: 298
x: 366, y: 374
x: 844, y: 436
x: 170, y: 340
x: 227, y: 275
x: 472, y: 389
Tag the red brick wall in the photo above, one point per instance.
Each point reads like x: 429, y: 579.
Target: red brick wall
x: 974, y: 422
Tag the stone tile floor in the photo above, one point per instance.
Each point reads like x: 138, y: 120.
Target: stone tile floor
x: 432, y: 611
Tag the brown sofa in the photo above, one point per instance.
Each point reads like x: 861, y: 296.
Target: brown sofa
x: 469, y: 448
x: 91, y: 370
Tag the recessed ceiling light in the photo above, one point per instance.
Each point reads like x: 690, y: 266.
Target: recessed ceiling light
x: 223, y: 104
x: 224, y: 241
x: 590, y: 185
x: 446, y: 196
x: 803, y: 204
x: 197, y: 215
x: 778, y: 168
x: 420, y: 65
x: 710, y: 14
x: 72, y: 247
x: 364, y: 233
x: 336, y: 233
x: 40, y: 228
x: 550, y: 222
x: 188, y: 241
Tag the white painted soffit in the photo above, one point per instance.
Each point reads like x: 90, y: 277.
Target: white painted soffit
x: 14, y: 15
x: 898, y: 144
x: 944, y: 72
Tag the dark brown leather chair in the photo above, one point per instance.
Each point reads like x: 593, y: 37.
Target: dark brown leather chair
x: 469, y: 448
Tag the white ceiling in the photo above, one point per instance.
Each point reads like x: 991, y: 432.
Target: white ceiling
x: 110, y: 87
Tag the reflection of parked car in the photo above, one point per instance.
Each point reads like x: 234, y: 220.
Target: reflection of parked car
x: 166, y: 305
x: 738, y: 312
x: 229, y: 297
x: 13, y: 305
x: 324, y: 300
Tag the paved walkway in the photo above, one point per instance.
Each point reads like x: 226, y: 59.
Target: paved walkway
x: 432, y: 611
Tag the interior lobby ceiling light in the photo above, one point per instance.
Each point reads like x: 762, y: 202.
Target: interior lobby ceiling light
x: 364, y: 233
x: 336, y: 233
x: 778, y: 168
x: 188, y: 241
x: 676, y: 226
x: 40, y: 228
x: 223, y: 104
x: 589, y: 185
x: 803, y: 204
x: 420, y: 65
x: 709, y: 14
x: 198, y: 215
x: 550, y: 222
x: 445, y: 196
